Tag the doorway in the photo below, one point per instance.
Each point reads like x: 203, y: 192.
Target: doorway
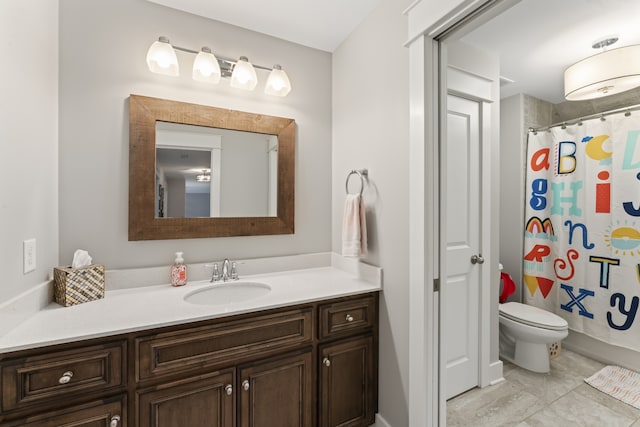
x: 428, y: 45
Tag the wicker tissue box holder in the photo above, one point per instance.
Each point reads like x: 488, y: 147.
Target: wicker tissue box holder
x: 75, y: 286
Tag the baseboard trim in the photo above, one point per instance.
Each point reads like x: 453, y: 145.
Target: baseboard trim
x: 381, y: 422
x: 601, y: 351
x: 496, y: 373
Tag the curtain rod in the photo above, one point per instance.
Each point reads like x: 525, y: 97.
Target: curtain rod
x: 579, y: 120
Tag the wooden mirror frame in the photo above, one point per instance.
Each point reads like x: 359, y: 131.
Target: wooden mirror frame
x: 143, y: 224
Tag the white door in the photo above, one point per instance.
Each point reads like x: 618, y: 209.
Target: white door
x: 460, y: 303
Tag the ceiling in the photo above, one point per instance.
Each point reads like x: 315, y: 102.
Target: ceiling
x: 318, y: 24
x: 537, y: 40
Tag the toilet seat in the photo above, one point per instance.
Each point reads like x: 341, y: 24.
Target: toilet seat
x: 532, y: 316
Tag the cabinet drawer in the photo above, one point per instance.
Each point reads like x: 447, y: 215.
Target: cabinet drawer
x: 50, y: 376
x: 103, y: 413
x: 347, y: 316
x: 180, y: 351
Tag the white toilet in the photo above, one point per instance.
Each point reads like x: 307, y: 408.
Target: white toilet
x: 525, y: 334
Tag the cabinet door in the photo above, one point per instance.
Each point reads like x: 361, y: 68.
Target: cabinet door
x: 347, y: 388
x: 205, y: 401
x: 277, y: 393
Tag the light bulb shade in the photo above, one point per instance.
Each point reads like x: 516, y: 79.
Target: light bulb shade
x: 161, y: 58
x: 278, y: 82
x: 206, y: 67
x: 244, y: 75
x: 606, y: 73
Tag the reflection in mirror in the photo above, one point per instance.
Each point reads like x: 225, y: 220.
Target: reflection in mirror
x: 212, y: 172
x: 245, y: 161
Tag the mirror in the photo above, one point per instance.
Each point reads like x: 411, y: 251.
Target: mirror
x: 212, y: 172
x: 245, y: 162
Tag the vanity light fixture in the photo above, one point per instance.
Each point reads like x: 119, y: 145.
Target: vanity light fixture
x: 205, y: 67
x: 606, y: 73
x: 244, y: 75
x: 278, y: 82
x: 209, y: 68
x: 161, y: 58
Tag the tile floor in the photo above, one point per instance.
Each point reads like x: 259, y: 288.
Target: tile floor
x: 559, y: 398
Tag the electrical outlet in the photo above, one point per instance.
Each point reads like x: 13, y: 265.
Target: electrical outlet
x: 29, y: 255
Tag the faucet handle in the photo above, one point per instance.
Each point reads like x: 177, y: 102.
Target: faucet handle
x: 215, y: 276
x: 234, y: 271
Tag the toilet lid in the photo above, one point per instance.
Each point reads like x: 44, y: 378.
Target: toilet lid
x: 534, y: 316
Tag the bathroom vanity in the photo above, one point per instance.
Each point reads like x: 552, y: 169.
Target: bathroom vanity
x: 308, y: 363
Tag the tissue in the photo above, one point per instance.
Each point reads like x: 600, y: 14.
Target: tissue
x: 81, y: 259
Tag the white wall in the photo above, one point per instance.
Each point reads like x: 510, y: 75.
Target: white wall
x: 371, y: 130
x: 103, y: 45
x: 28, y: 141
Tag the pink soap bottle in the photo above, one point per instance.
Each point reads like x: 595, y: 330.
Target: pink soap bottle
x: 178, y: 271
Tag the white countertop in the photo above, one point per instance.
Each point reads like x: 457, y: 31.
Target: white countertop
x: 134, y: 309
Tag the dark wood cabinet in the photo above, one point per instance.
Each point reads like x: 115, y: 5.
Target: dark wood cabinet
x: 304, y: 365
x: 347, y: 383
x: 206, y: 401
x: 277, y: 393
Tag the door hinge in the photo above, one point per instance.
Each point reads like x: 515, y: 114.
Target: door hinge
x: 436, y: 285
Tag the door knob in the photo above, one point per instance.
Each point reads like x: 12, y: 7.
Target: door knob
x: 245, y: 385
x: 115, y: 421
x: 228, y: 389
x: 477, y: 259
x: 326, y: 362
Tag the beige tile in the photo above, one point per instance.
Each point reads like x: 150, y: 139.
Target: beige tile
x: 574, y: 409
x: 527, y: 399
x: 507, y: 367
x: 504, y: 404
x: 575, y: 364
x: 570, y: 110
x: 604, y: 399
x: 547, y: 387
x: 613, y: 102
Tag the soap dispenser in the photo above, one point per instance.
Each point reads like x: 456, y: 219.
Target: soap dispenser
x: 178, y: 271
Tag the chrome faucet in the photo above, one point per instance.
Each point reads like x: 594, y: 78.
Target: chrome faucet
x: 225, y: 270
x: 229, y: 271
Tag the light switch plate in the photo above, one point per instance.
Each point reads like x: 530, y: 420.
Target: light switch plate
x: 29, y: 255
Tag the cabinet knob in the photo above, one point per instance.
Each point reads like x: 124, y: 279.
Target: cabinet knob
x: 66, y: 377
x: 349, y: 318
x: 228, y: 389
x: 115, y: 421
x: 326, y: 362
x: 245, y: 385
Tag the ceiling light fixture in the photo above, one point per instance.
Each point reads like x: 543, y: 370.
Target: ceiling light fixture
x: 606, y: 73
x: 205, y: 176
x: 209, y: 68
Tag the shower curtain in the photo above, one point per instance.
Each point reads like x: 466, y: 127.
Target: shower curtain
x: 582, y: 226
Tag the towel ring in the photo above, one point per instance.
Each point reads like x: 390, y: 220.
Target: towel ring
x: 362, y: 173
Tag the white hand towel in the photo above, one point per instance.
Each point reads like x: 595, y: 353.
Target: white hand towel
x: 354, y: 227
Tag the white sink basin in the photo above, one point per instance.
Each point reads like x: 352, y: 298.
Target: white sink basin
x: 227, y: 293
